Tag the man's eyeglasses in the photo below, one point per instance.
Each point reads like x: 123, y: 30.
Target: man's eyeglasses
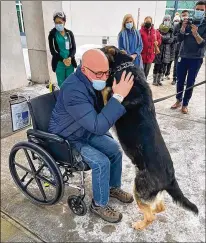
x: 100, y: 74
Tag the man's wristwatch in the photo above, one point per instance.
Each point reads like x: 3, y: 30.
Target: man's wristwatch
x: 197, y: 35
x: 118, y: 97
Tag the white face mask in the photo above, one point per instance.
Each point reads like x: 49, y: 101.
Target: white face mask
x: 167, y: 23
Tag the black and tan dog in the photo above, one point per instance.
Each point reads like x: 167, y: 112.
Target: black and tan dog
x: 141, y: 140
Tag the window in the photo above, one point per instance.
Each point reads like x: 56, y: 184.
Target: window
x: 20, y: 16
x: 181, y: 5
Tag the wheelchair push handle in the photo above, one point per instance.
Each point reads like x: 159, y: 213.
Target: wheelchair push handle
x: 16, y: 97
x: 52, y: 87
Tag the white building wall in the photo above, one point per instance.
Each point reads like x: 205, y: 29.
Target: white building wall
x: 13, y: 74
x: 36, y: 43
x: 90, y: 20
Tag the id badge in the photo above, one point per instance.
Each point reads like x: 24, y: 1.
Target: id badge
x: 67, y: 44
x: 179, y: 59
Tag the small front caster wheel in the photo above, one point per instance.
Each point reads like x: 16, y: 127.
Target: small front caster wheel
x: 77, y: 205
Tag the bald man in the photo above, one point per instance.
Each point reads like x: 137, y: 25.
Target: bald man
x: 79, y: 118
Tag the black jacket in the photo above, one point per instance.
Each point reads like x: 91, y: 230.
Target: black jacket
x: 54, y: 49
x: 166, y: 48
x: 176, y: 32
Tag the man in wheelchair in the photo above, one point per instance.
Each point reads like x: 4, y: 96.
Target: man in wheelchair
x: 79, y: 117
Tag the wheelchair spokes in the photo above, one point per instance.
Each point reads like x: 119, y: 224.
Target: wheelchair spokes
x: 35, y: 176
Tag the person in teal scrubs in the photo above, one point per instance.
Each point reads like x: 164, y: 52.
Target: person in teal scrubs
x: 62, y: 47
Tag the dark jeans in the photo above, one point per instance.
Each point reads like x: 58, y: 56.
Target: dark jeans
x: 159, y: 68
x: 189, y: 67
x: 175, y: 67
x: 167, y: 68
x: 147, y: 67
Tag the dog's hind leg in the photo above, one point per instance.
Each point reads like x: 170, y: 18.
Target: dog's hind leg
x: 147, y: 211
x: 159, y: 205
x: 148, y: 214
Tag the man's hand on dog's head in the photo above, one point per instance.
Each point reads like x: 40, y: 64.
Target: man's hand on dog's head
x: 125, y: 84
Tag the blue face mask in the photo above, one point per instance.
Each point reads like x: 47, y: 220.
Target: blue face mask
x: 98, y: 84
x: 199, y: 14
x: 129, y: 25
x: 59, y: 27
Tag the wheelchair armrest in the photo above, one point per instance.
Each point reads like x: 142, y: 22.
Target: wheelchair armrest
x: 45, y: 135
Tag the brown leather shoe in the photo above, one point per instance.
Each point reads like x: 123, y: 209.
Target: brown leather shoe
x: 107, y: 213
x: 121, y: 195
x: 176, y: 105
x: 184, y: 110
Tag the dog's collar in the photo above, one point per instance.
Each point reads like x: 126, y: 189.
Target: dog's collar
x: 123, y: 66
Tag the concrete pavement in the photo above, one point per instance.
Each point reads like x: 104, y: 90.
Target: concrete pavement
x: 13, y: 231
x: 185, y: 138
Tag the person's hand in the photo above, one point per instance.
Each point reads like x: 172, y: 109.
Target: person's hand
x: 67, y: 61
x: 184, y: 25
x: 134, y: 56
x: 156, y: 43
x: 194, y: 29
x: 124, y: 86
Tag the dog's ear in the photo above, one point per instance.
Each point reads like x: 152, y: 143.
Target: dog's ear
x: 110, y: 50
x: 123, y: 51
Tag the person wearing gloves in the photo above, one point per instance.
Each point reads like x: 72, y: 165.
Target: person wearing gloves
x: 164, y: 57
x: 62, y: 47
x: 151, y: 39
x: 84, y: 122
x: 130, y: 41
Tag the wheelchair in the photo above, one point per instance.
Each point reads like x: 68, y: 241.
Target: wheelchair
x: 42, y: 166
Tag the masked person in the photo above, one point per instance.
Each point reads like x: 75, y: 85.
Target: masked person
x: 177, y: 27
x: 167, y: 70
x: 62, y: 47
x: 151, y: 40
x: 164, y: 57
x: 192, y: 50
x: 130, y: 41
x: 79, y: 118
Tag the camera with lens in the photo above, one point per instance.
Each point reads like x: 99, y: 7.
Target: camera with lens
x: 190, y: 21
x: 193, y: 21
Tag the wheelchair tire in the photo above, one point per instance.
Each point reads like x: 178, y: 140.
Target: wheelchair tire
x: 44, y: 183
x: 77, y: 205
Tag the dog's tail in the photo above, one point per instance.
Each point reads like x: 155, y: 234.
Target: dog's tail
x: 178, y: 197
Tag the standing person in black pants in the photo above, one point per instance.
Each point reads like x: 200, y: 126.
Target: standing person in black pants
x: 177, y: 27
x: 176, y: 20
x: 164, y: 57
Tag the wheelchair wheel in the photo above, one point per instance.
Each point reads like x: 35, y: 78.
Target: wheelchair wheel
x: 36, y: 173
x: 77, y: 205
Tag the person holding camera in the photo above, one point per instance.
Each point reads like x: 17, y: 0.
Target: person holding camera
x: 177, y: 27
x: 62, y: 47
x: 193, y: 37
